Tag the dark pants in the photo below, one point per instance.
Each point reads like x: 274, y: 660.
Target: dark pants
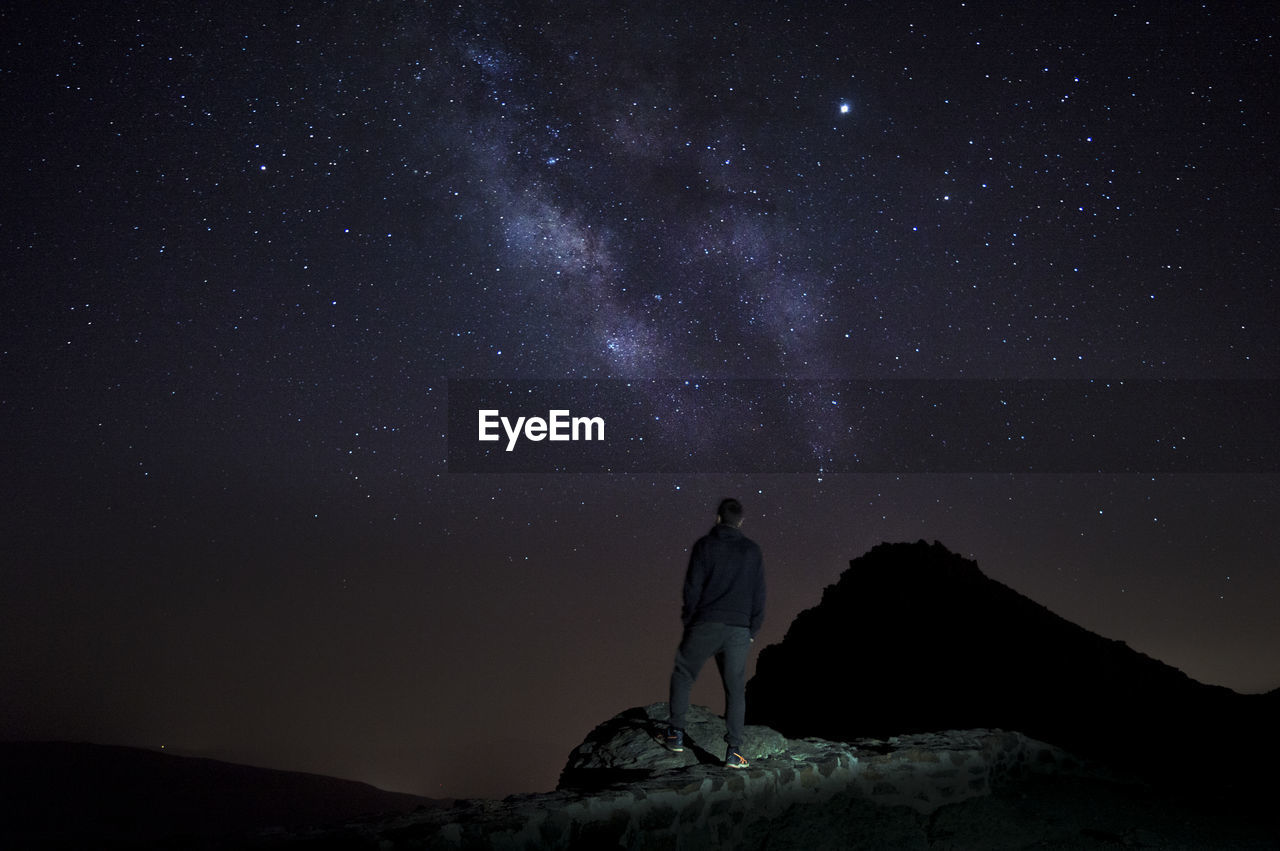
x: 730, y: 645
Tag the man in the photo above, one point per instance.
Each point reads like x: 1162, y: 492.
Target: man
x: 722, y: 613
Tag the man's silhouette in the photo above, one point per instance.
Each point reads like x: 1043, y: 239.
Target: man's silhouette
x: 722, y: 613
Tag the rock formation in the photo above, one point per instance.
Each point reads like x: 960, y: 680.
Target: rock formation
x: 953, y: 789
x: 623, y: 748
x: 622, y: 789
x: 915, y: 638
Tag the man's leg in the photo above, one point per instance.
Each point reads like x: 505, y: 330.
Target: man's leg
x: 700, y: 643
x: 732, y: 660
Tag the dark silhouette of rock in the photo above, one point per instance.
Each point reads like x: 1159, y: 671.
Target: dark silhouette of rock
x: 914, y: 638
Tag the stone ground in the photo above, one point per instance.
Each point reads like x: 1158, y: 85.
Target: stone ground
x: 1039, y: 812
x: 812, y: 795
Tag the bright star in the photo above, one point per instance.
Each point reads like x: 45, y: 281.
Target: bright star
x: 844, y: 108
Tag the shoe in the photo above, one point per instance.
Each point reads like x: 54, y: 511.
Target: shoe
x: 674, y: 740
x: 736, y: 760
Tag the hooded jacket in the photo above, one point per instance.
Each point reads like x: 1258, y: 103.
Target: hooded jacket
x: 725, y: 580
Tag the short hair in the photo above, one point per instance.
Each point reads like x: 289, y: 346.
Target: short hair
x: 730, y: 511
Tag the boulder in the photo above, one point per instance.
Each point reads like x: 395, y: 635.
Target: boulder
x: 629, y: 746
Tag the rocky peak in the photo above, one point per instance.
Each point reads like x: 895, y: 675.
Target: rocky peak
x: 914, y: 638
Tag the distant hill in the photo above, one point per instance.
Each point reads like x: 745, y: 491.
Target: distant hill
x: 64, y: 795
x: 915, y: 638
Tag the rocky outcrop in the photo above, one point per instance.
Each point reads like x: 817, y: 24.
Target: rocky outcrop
x: 914, y: 638
x: 922, y: 771
x: 622, y: 789
x: 623, y: 748
x: 954, y: 789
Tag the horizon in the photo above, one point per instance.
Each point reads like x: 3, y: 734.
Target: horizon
x: 253, y: 257
x: 706, y: 692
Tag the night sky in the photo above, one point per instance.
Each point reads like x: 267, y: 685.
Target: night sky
x: 248, y: 249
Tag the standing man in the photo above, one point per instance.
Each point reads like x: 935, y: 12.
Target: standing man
x: 722, y: 613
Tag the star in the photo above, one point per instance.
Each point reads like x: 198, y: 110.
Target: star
x: 844, y: 109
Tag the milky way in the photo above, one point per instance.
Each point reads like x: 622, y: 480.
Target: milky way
x: 248, y: 252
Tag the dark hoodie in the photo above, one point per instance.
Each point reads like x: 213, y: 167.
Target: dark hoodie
x: 725, y: 581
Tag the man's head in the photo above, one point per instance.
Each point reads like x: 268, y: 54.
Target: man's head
x: 730, y: 512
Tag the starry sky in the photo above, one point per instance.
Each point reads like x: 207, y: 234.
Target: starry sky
x: 250, y: 247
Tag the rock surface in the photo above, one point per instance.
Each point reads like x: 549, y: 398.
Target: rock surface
x: 921, y: 771
x: 954, y: 789
x: 623, y: 748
